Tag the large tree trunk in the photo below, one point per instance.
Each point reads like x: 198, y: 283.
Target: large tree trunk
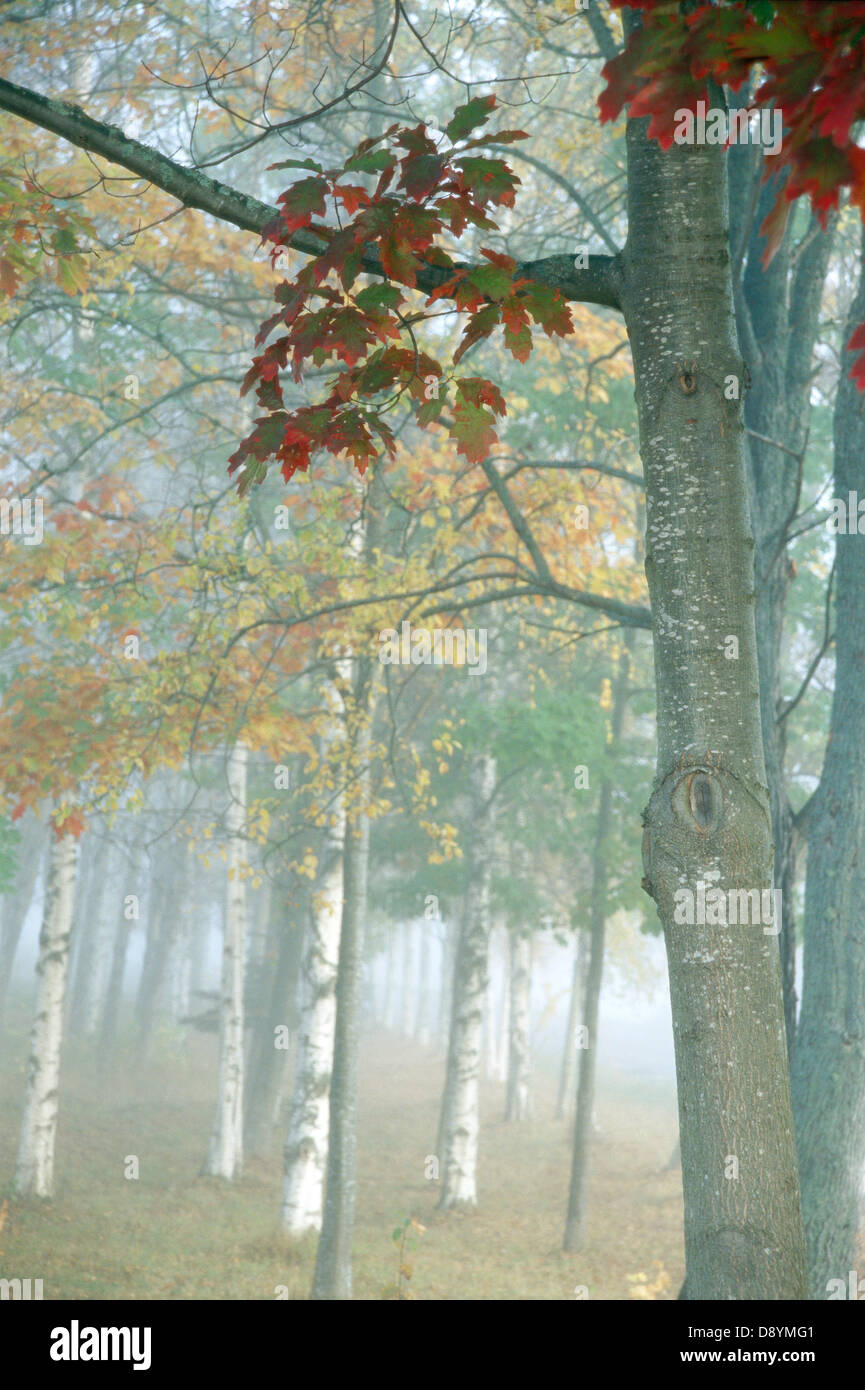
x: 517, y: 1106
x: 575, y: 1225
x: 225, y: 1156
x: 460, y: 1119
x: 829, y: 1058
x: 34, y: 1171
x: 709, y: 812
x: 305, y: 1153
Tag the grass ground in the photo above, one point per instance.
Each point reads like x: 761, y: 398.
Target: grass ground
x: 175, y: 1235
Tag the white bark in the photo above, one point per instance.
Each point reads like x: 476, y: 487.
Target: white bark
x: 519, y: 1053
x: 225, y: 1157
x: 306, y: 1143
x: 461, y: 1119
x: 34, y: 1172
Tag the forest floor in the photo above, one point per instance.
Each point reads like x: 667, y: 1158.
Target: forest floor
x: 172, y: 1234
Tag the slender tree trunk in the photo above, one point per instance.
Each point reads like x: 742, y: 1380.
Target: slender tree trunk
x: 225, y: 1156
x: 461, y: 1123
x: 93, y: 1001
x: 163, y: 928
x: 517, y: 1105
x: 829, y: 1058
x: 305, y: 1153
x: 34, y: 1171
x: 267, y: 1075
x: 709, y: 812
x: 576, y: 1006
x: 333, y: 1270
x: 126, y: 919
x: 575, y: 1226
x: 446, y: 995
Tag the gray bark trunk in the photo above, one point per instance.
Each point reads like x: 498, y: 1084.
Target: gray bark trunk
x: 575, y: 1225
x: 709, y: 812
x: 576, y: 1006
x: 829, y: 1058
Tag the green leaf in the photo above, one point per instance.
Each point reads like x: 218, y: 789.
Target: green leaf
x: 375, y: 298
x: 491, y: 280
x: 370, y: 163
x: 297, y: 164
x: 468, y: 117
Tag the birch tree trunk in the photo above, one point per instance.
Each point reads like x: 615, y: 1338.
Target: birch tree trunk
x: 34, y: 1171
x: 225, y: 1156
x: 305, y: 1152
x: 333, y: 1267
x: 517, y: 1105
x: 709, y: 812
x: 461, y: 1121
x: 829, y: 1057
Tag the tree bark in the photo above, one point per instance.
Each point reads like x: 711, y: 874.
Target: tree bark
x: 709, y: 811
x: 517, y: 1102
x: 575, y: 1225
x: 461, y: 1123
x: 333, y: 1265
x: 576, y: 1006
x: 34, y: 1171
x: 114, y: 992
x: 305, y: 1152
x: 829, y: 1058
x: 225, y: 1156
x: 268, y: 1062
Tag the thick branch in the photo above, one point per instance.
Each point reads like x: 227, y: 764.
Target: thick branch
x: 597, y: 284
